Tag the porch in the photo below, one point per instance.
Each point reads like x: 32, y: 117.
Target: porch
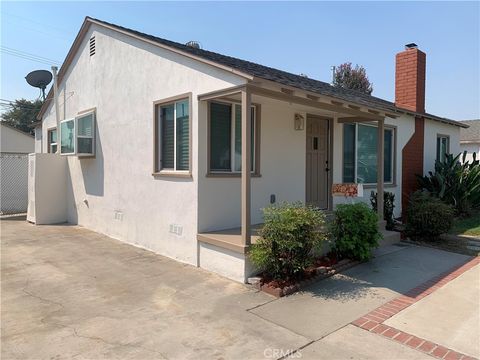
x: 293, y: 110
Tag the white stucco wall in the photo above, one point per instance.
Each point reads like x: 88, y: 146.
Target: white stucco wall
x: 15, y: 141
x: 470, y: 149
x: 282, y: 168
x: 432, y: 129
x: 115, y: 192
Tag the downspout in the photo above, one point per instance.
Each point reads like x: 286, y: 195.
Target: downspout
x: 55, y: 100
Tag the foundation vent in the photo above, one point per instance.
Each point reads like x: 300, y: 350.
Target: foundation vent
x: 92, y: 46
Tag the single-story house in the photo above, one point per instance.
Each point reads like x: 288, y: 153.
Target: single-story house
x: 152, y: 132
x: 470, y: 139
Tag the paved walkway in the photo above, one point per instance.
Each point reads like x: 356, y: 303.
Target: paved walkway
x: 71, y: 293
x: 450, y: 316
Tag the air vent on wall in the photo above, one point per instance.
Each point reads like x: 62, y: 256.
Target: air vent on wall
x: 92, y: 46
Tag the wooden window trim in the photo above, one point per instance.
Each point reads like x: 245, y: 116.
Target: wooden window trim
x: 157, y: 172
x: 258, y: 137
x: 390, y: 184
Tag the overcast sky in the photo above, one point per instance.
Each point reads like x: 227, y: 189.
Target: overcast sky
x: 300, y: 37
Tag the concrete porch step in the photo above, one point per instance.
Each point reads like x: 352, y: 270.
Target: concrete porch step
x: 389, y: 237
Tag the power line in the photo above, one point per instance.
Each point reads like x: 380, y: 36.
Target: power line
x: 29, y: 56
x: 8, y: 14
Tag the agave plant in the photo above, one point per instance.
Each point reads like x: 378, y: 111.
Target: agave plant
x: 454, y: 182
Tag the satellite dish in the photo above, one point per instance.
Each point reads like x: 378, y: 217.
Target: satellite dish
x: 39, y: 79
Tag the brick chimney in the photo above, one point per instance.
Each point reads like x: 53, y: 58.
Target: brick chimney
x: 410, y: 79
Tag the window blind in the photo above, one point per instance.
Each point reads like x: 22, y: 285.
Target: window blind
x: 183, y: 135
x: 348, y: 153
x: 220, y: 137
x: 167, y: 126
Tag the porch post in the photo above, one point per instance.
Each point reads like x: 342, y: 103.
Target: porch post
x: 380, y: 168
x: 246, y: 164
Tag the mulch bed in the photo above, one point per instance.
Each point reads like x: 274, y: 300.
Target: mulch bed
x: 323, y: 268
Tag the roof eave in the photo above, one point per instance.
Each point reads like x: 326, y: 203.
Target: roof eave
x: 85, y: 26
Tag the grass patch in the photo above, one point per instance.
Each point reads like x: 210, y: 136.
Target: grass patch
x: 467, y: 226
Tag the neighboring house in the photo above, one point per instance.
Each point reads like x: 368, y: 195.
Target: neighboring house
x: 154, y: 137
x: 15, y: 145
x: 470, y: 139
x: 14, y: 141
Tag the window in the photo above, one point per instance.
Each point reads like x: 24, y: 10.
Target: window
x: 443, y: 147
x: 67, y: 137
x: 360, y: 154
x: 85, y: 134
x: 173, y: 130
x: 226, y: 138
x: 52, y: 141
x: 77, y: 135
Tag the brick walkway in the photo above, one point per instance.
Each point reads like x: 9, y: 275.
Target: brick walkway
x: 374, y: 320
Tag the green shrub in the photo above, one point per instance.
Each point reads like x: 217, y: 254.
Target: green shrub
x: 355, y: 231
x: 388, y: 206
x: 455, y: 183
x: 427, y: 217
x: 288, y: 239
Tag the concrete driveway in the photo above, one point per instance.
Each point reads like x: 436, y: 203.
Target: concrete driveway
x: 71, y: 293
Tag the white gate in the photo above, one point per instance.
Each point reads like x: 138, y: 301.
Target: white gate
x: 13, y: 183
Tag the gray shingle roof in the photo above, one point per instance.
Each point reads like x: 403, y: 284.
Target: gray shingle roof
x: 268, y: 73
x: 472, y: 134
x: 278, y: 76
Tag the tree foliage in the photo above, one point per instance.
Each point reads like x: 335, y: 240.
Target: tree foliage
x: 354, y: 78
x: 22, y: 114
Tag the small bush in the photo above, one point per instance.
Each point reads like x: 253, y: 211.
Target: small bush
x: 355, y: 231
x: 388, y: 206
x: 427, y: 217
x: 288, y: 239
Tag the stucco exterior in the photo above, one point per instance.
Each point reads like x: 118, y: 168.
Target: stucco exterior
x: 432, y: 130
x: 15, y: 141
x: 115, y: 192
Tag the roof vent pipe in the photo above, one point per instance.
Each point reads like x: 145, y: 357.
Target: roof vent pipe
x: 194, y: 44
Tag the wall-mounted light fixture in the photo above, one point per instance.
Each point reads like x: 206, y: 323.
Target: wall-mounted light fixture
x: 299, y: 122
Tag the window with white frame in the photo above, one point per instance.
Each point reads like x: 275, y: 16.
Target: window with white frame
x: 52, y: 141
x: 173, y: 136
x: 443, y: 147
x: 226, y: 138
x: 77, y: 135
x: 360, y: 154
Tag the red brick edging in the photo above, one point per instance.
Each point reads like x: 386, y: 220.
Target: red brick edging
x: 373, y: 321
x: 323, y: 272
